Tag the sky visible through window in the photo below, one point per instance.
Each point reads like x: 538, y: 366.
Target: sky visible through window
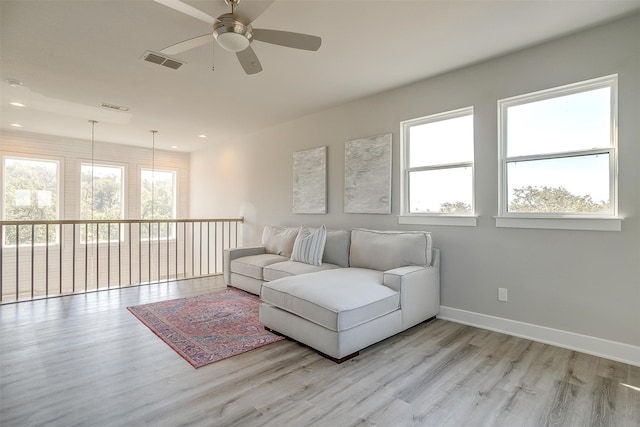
x: 575, y: 122
x: 441, y: 142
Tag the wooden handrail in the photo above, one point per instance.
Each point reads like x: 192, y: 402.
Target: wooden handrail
x: 119, y: 221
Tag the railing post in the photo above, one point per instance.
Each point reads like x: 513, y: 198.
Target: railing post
x: 108, y: 256
x: 1, y: 263
x: 177, y: 234
x: 33, y: 239
x: 159, y: 245
x: 73, y: 266
x: 46, y: 260
x: 119, y: 255
x: 97, y: 255
x: 130, y: 253
x: 215, y: 246
x: 17, y: 261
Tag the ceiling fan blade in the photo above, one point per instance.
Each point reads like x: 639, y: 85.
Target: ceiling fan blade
x: 185, y: 45
x: 249, y: 61
x: 187, y: 10
x: 288, y: 39
x: 249, y: 10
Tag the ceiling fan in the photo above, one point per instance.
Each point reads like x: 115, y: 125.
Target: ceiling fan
x: 233, y: 31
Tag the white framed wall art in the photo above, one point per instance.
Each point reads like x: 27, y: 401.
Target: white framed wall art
x: 367, y: 175
x: 310, y: 181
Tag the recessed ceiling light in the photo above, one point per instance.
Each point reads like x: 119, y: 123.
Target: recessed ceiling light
x: 202, y: 136
x: 16, y: 125
x: 175, y: 147
x: 17, y: 104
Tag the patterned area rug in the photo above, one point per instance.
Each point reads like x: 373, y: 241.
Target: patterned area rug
x: 207, y: 328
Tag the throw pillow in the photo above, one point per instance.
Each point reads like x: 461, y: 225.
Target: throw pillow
x: 309, y: 247
x: 279, y: 240
x: 336, y: 249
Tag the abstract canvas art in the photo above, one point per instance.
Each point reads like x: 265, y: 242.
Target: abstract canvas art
x: 310, y: 181
x: 367, y: 175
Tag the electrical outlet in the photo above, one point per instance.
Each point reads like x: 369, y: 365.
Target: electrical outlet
x: 502, y: 294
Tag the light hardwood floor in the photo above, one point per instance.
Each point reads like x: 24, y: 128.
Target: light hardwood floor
x: 85, y: 360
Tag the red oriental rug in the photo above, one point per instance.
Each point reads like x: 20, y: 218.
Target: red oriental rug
x: 207, y: 328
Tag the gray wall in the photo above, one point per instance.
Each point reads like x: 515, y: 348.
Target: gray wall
x: 585, y: 282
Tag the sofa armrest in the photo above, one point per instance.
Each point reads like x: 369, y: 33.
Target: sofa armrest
x: 435, y: 258
x: 394, y: 278
x: 234, y: 253
x: 419, y: 289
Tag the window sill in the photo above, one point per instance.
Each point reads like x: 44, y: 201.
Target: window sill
x: 589, y: 224
x: 458, y: 221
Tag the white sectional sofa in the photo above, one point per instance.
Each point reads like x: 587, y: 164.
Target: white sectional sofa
x: 370, y: 285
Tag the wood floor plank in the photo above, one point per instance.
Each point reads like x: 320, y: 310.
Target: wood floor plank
x: 85, y: 360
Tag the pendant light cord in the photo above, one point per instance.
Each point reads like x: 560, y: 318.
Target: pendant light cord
x: 93, y: 125
x: 153, y: 171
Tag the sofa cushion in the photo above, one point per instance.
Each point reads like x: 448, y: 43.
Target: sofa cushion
x: 309, y: 247
x: 293, y: 268
x: 253, y: 265
x: 279, y: 240
x: 338, y: 299
x: 386, y: 250
x: 336, y: 249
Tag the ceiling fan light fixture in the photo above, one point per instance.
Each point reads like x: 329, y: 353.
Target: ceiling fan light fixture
x: 232, y: 34
x: 233, y: 42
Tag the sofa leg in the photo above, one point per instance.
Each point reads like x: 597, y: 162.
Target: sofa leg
x: 275, y: 332
x: 342, y: 359
x: 333, y: 359
x: 430, y: 319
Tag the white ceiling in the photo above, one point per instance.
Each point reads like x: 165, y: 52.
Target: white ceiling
x: 71, y: 56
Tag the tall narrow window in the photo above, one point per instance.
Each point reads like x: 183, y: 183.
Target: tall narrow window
x: 101, y: 198
x: 158, y: 201
x: 557, y: 148
x: 438, y: 164
x: 31, y: 189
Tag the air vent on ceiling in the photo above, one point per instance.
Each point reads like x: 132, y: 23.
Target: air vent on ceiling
x: 163, y: 60
x: 114, y: 107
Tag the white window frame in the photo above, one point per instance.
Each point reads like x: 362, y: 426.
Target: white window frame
x: 176, y: 175
x: 600, y: 222
x: 60, y: 188
x: 432, y: 218
x: 123, y: 195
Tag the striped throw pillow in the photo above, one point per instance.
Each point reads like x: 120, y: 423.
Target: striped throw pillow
x: 309, y: 247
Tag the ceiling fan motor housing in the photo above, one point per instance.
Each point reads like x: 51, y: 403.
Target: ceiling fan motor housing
x: 232, y: 34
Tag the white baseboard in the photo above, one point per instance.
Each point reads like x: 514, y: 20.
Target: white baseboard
x: 613, y: 350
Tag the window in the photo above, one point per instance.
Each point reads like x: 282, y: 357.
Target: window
x: 437, y: 178
x: 158, y: 201
x: 557, y: 150
x: 31, y: 189
x: 101, y: 197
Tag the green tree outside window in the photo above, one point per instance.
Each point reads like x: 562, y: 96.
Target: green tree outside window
x: 30, y: 194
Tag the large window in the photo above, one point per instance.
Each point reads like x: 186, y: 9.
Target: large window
x: 158, y: 201
x: 557, y: 149
x: 438, y: 165
x: 31, y: 189
x: 101, y: 197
